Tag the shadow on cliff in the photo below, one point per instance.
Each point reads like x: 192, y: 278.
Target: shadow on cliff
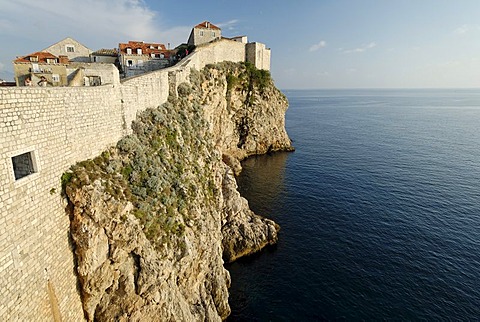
x: 71, y: 244
x: 251, y: 258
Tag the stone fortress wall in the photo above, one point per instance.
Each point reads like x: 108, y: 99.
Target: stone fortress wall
x: 43, y: 131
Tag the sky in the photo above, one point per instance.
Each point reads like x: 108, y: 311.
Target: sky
x: 315, y: 44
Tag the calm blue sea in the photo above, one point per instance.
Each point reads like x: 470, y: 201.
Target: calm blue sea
x: 379, y: 208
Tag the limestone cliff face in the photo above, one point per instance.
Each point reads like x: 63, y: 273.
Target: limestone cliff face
x: 154, y: 219
x: 246, y: 112
x: 127, y: 277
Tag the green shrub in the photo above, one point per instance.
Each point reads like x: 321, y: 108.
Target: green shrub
x: 127, y: 171
x: 232, y: 81
x: 128, y: 144
x: 184, y: 89
x: 258, y: 77
x: 65, y: 180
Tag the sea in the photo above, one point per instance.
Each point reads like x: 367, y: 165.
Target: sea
x: 379, y: 208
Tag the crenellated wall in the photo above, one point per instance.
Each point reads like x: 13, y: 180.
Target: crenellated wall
x: 55, y: 128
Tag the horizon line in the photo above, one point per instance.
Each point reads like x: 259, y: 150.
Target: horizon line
x: 379, y: 88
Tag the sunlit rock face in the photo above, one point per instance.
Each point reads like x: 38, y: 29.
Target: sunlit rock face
x: 154, y: 219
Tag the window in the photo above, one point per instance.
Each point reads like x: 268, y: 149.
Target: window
x: 24, y: 165
x: 130, y: 62
x: 139, y: 51
x: 201, y: 33
x: 34, y: 58
x: 55, y: 78
x: 70, y: 49
x: 94, y: 80
x: 51, y: 60
x: 213, y: 33
x: 159, y: 47
x: 153, y: 55
x: 35, y: 68
x: 129, y: 51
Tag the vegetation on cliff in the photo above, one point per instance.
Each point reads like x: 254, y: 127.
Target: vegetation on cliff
x: 239, y: 76
x: 149, y: 167
x: 153, y: 216
x: 156, y: 168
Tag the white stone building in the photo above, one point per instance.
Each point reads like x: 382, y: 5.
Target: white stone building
x: 204, y: 32
x: 71, y: 48
x: 138, y: 57
x: 259, y: 55
x: 104, y: 56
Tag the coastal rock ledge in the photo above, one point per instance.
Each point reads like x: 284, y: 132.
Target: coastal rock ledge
x: 154, y: 219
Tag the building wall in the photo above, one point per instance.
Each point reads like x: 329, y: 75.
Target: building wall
x: 148, y: 64
x: 124, y: 58
x: 215, y: 52
x: 107, y: 72
x: 103, y: 59
x: 258, y: 55
x: 24, y: 70
x: 81, y: 53
x: 199, y: 36
x: 61, y: 126
x: 243, y: 39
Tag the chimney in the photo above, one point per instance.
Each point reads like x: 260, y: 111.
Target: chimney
x: 63, y: 59
x: 206, y: 24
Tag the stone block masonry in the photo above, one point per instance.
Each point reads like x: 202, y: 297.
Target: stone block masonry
x: 55, y: 127
x: 43, y: 131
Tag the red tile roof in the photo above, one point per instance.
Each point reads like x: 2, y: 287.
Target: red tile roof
x: 41, y: 57
x: 145, y: 47
x: 207, y: 25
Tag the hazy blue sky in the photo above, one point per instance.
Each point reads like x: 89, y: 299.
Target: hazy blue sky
x: 315, y: 44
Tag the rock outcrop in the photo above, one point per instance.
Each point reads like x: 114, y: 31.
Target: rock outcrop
x: 127, y: 277
x: 246, y: 112
x: 243, y: 231
x: 154, y: 219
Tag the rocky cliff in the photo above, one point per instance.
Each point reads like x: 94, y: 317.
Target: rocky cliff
x: 154, y: 218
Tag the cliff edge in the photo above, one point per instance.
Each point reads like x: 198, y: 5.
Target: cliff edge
x: 154, y: 218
